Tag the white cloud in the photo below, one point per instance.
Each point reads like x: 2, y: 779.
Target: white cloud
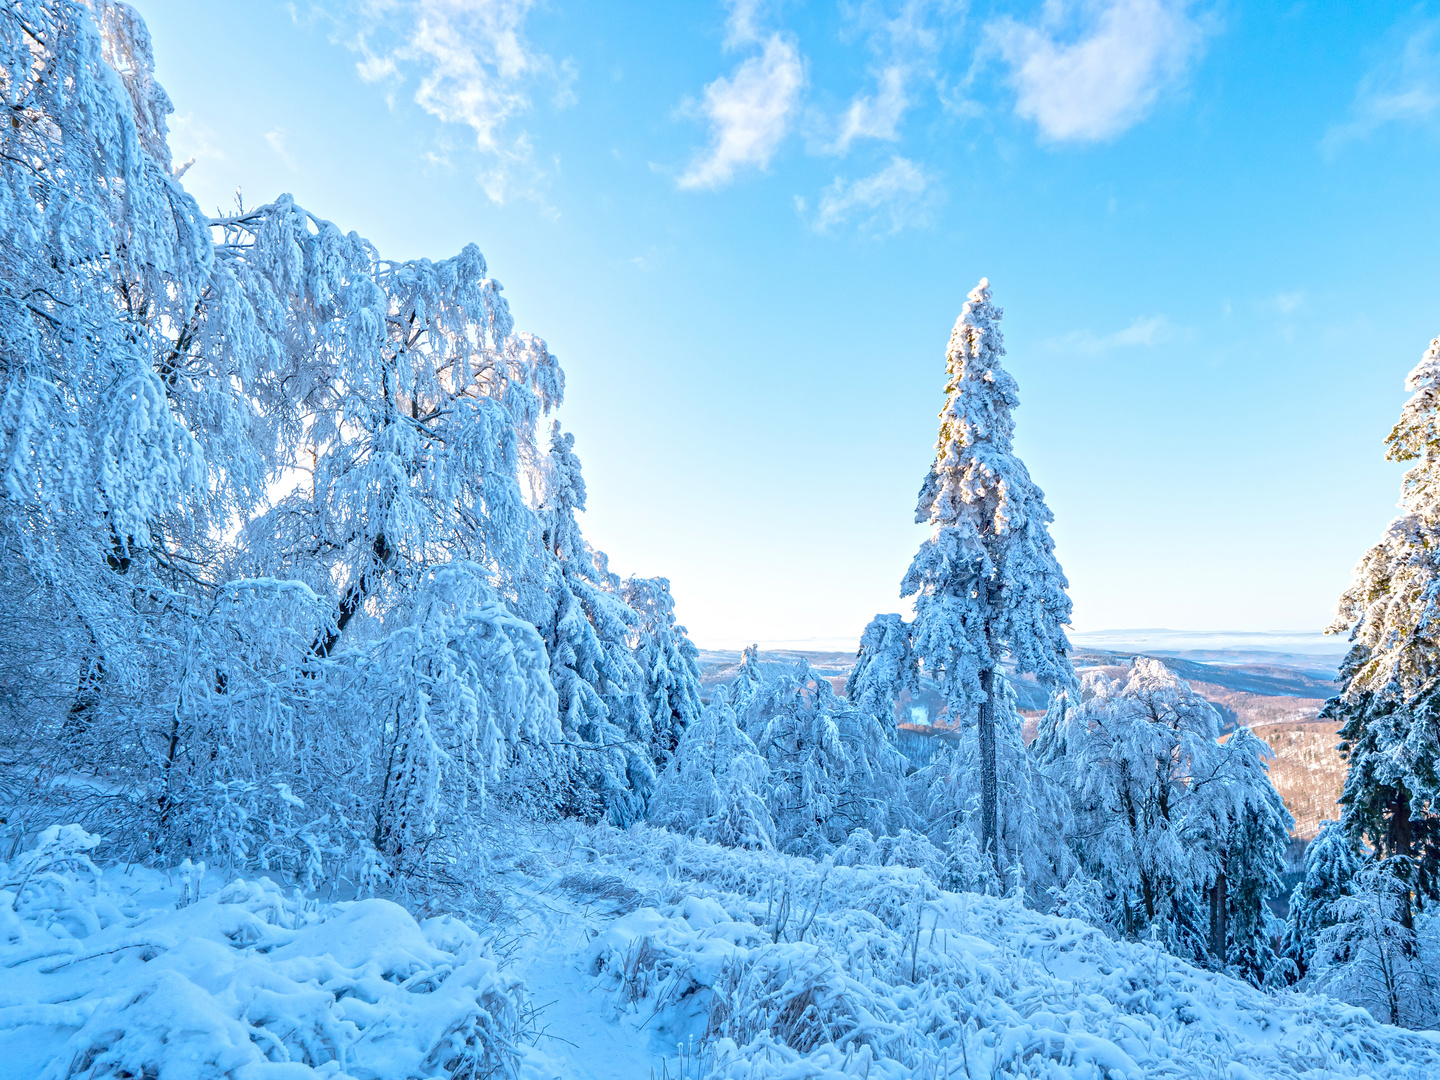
x: 743, y: 25
x: 473, y: 66
x: 1096, y: 83
x: 1405, y: 89
x: 899, y: 195
x: 907, y: 45
x: 1145, y: 332
x: 750, y: 113
x: 878, y: 115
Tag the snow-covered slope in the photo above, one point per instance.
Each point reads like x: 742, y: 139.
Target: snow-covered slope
x: 640, y: 953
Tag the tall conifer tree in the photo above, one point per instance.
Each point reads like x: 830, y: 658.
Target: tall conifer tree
x: 986, y: 583
x: 1389, y: 701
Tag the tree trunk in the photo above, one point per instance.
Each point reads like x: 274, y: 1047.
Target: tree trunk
x: 989, y: 786
x: 1398, y: 840
x: 1219, y: 932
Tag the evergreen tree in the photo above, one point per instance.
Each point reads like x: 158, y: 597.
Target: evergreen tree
x: 1186, y: 835
x: 1331, y: 862
x: 986, y: 583
x: 1250, y: 837
x: 668, y: 660
x: 884, y: 666
x: 747, y: 685
x: 1389, y: 701
x: 600, y: 684
x: 1369, y: 954
x: 715, y: 784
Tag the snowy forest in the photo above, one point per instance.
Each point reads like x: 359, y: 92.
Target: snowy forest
x: 333, y: 748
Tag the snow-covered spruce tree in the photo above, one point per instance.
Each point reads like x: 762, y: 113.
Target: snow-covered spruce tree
x: 716, y: 782
x: 832, y: 767
x: 884, y: 667
x: 668, y: 659
x: 746, y: 687
x: 1250, y: 837
x: 1331, y: 862
x: 1186, y: 835
x: 600, y: 684
x: 986, y: 583
x: 1388, y: 706
x: 1370, y: 956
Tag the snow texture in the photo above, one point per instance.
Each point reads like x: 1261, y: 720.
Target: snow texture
x: 638, y: 950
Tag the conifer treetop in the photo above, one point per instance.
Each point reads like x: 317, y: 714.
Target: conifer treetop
x: 986, y: 581
x: 1416, y: 436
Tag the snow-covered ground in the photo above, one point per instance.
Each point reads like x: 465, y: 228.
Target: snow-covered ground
x: 609, y: 954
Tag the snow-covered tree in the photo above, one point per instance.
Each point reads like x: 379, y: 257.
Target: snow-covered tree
x: 1389, y: 701
x: 600, y: 684
x: 1185, y: 834
x: 884, y: 666
x: 1331, y: 862
x: 303, y: 571
x: 745, y: 689
x: 833, y: 768
x: 986, y: 583
x: 1370, y: 956
x: 1031, y: 844
x: 1250, y: 837
x: 669, y: 661
x: 716, y: 783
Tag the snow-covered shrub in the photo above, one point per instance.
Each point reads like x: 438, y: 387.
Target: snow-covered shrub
x: 246, y: 982
x: 937, y: 981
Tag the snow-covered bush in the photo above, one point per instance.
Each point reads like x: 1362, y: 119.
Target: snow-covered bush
x: 246, y: 981
x: 852, y: 983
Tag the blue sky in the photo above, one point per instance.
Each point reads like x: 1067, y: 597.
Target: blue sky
x: 747, y: 229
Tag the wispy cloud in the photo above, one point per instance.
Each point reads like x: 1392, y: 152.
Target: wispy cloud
x: 752, y: 110
x: 905, y: 44
x: 899, y: 195
x: 1287, y: 303
x: 1091, y: 69
x: 276, y: 140
x: 1145, y: 331
x: 472, y: 65
x: 1404, y: 89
